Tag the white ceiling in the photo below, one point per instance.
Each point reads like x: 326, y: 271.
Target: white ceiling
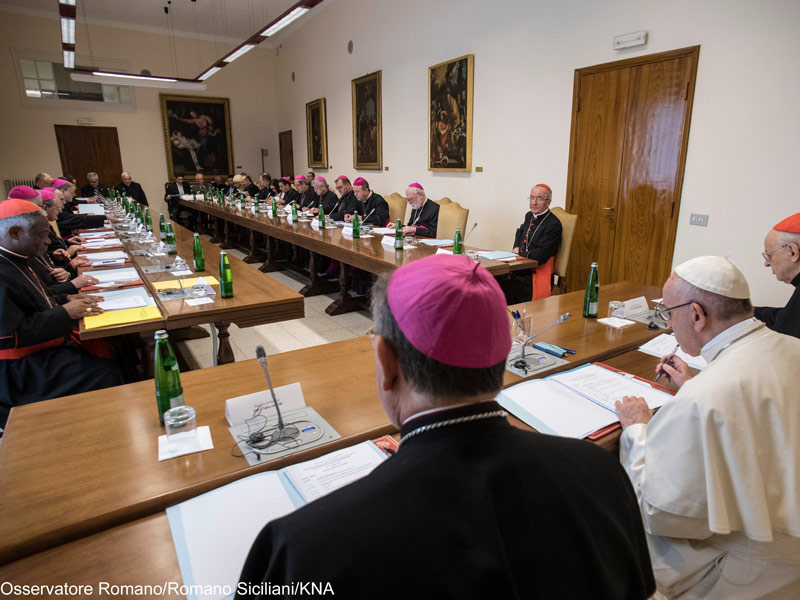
x: 231, y: 20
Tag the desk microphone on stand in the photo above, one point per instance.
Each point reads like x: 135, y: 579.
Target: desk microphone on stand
x: 524, y: 365
x: 470, y: 231
x: 281, y: 431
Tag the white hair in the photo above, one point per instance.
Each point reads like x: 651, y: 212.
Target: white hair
x: 92, y: 176
x: 788, y: 238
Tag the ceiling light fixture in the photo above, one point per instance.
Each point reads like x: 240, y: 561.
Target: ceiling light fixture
x: 208, y: 73
x: 285, y: 21
x: 69, y: 59
x: 67, y: 30
x: 236, y: 54
x: 109, y: 78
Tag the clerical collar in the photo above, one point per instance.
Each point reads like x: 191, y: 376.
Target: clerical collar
x: 4, y: 249
x: 732, y: 334
x: 540, y: 215
x: 450, y: 416
x: 431, y: 411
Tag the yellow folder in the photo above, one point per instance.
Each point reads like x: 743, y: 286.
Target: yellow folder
x: 173, y: 285
x: 118, y: 317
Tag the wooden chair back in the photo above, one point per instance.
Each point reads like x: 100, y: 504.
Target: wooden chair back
x: 568, y: 223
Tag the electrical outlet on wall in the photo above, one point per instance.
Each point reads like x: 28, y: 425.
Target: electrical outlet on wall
x: 699, y: 220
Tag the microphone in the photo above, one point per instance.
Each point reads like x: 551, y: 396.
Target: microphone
x: 530, y: 338
x: 259, y: 440
x: 364, y: 220
x: 470, y: 231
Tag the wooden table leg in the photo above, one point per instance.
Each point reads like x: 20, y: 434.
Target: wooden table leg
x: 225, y: 351
x: 148, y: 354
x: 230, y: 237
x: 218, y: 234
x: 318, y: 285
x: 271, y: 263
x: 255, y: 254
x: 345, y: 302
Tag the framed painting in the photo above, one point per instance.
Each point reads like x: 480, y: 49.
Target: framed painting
x: 367, y: 134
x: 317, y: 134
x: 197, y: 135
x: 450, y: 115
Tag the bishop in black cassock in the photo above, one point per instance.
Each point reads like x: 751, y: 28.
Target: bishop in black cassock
x: 782, y: 255
x: 470, y: 506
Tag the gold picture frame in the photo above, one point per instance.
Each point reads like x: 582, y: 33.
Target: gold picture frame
x: 367, y: 122
x: 197, y: 135
x: 450, y: 99
x: 317, y: 134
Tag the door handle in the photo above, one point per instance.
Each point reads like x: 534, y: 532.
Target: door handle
x: 609, y: 208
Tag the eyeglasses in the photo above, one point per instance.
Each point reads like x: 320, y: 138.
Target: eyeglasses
x: 768, y: 255
x: 662, y: 312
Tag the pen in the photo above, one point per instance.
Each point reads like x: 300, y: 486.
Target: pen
x: 669, y: 361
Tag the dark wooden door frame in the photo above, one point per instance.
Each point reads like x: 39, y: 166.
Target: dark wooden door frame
x: 690, y: 52
x: 289, y: 171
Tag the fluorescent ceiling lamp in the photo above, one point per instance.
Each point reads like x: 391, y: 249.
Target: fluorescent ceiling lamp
x: 239, y: 52
x: 102, y: 77
x: 69, y: 59
x: 209, y: 73
x: 292, y: 16
x: 67, y: 30
x: 67, y: 2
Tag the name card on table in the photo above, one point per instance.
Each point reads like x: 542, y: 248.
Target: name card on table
x: 241, y: 408
x: 635, y: 306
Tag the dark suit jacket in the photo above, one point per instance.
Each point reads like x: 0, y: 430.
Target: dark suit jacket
x: 88, y: 191
x: 783, y: 320
x: 347, y: 206
x: 329, y: 201
x: 471, y: 510
x: 544, y: 237
x: 426, y: 220
x: 134, y: 190
x: 379, y: 216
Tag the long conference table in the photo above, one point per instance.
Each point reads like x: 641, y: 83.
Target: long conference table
x: 88, y: 505
x: 257, y: 299
x: 365, y: 253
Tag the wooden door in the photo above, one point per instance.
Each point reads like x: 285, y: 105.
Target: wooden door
x: 90, y: 149
x: 287, y: 154
x: 627, y: 154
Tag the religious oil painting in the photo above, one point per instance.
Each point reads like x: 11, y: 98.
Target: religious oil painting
x: 197, y: 135
x: 317, y: 134
x: 367, y: 133
x: 450, y: 115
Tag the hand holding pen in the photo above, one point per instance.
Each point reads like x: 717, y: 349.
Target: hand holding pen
x: 674, y: 367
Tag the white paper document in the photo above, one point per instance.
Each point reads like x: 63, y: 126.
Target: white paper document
x: 101, y: 243
x: 616, y: 322
x: 115, y: 275
x: 100, y: 256
x: 383, y: 230
x: 241, y: 408
x: 213, y: 533
x: 91, y: 209
x: 575, y: 403
x: 122, y: 303
x: 437, y: 242
x: 199, y: 301
x: 320, y: 476
x: 665, y: 344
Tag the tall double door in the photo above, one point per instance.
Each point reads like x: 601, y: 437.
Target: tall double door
x: 630, y: 128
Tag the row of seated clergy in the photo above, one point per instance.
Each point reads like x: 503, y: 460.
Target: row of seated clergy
x: 37, y: 319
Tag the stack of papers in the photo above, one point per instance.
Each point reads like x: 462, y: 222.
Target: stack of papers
x: 120, y: 317
x: 128, y: 298
x: 115, y: 275
x: 91, y: 209
x: 436, y: 242
x: 664, y: 344
x: 213, y: 532
x: 92, y: 244
x: 174, y: 285
x: 576, y: 403
x: 497, y: 255
x: 106, y: 259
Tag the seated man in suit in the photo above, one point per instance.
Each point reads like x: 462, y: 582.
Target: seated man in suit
x: 538, y: 238
x: 470, y: 506
x: 424, y: 218
x: 94, y: 189
x: 325, y: 198
x: 347, y: 199
x: 369, y: 204
x: 782, y: 255
x: 128, y: 187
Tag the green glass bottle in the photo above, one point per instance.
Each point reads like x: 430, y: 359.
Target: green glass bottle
x: 197, y: 254
x: 205, y: 194
x: 458, y: 242
x: 242, y: 201
x: 169, y: 392
x: 274, y: 207
x: 162, y: 225
x: 294, y: 212
x: 148, y: 220
x: 256, y: 206
x: 591, y: 298
x: 321, y: 217
x: 398, y: 235
x: 225, y: 275
x: 356, y: 227
x: 172, y: 247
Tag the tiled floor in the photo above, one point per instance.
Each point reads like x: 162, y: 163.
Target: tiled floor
x: 316, y: 328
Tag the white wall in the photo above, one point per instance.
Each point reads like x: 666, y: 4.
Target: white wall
x: 743, y: 145
x: 28, y: 142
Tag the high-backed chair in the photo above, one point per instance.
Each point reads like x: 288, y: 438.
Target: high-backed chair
x: 568, y: 222
x: 443, y: 201
x: 452, y: 216
x: 397, y: 207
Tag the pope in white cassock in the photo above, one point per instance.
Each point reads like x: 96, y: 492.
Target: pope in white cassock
x: 717, y: 469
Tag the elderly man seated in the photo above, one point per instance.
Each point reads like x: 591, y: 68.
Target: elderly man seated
x: 782, y: 255
x: 717, y: 469
x: 424, y: 218
x: 470, y: 506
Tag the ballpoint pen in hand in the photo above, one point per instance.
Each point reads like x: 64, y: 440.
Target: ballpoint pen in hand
x: 668, y: 362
